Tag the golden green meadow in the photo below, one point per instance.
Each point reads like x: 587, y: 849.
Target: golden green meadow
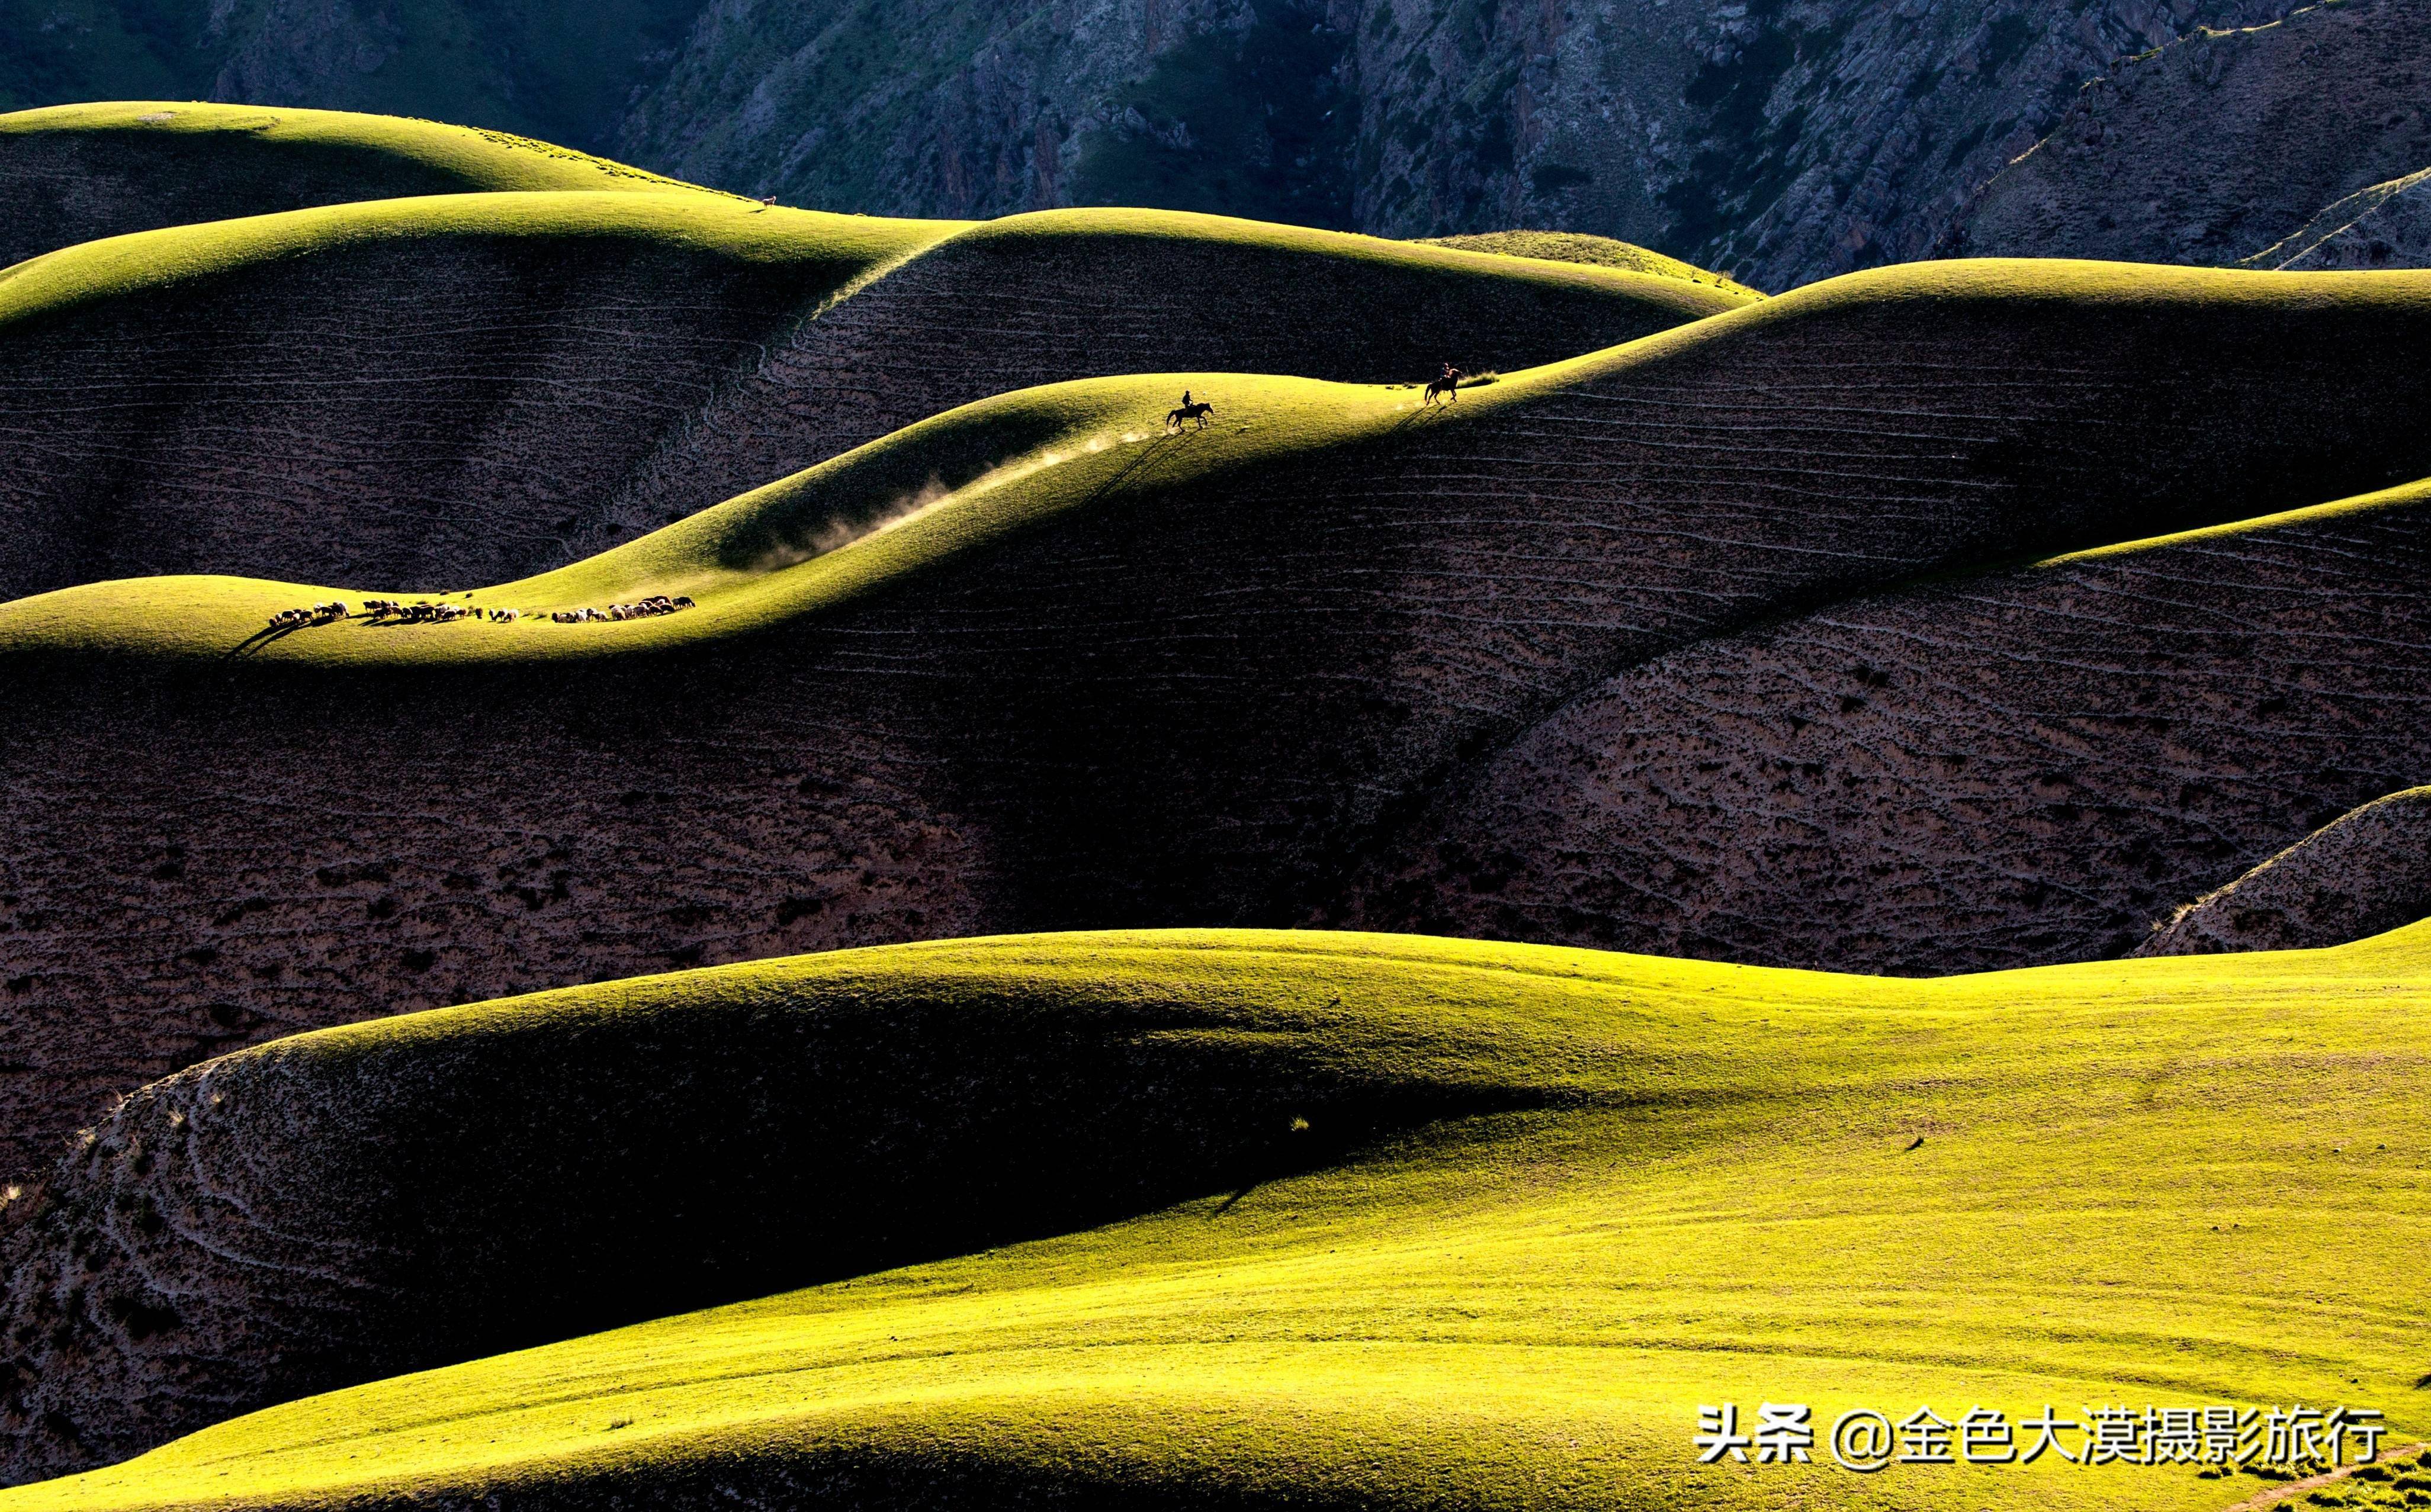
x: 2171, y: 1182
x: 2167, y: 1183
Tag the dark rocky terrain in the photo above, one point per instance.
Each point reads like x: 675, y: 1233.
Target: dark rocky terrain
x: 2028, y: 765
x: 2387, y: 226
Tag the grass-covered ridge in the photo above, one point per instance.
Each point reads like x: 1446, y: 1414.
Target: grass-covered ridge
x: 78, y: 173
x: 476, y: 159
x: 2169, y: 1181
x: 950, y: 485
x: 1598, y: 251
x: 835, y: 246
x: 301, y: 394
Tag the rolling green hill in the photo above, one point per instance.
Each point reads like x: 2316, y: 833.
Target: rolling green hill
x: 1415, y: 1222
x: 1598, y: 251
x: 1091, y: 673
x: 80, y: 172
x: 465, y: 388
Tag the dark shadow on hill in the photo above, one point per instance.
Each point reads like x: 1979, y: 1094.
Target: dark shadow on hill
x: 536, y: 1176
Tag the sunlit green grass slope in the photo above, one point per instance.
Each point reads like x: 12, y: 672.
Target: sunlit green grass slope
x: 729, y: 230
x: 77, y: 172
x: 2166, y: 1182
x: 1576, y: 247
x: 261, y: 145
x: 879, y: 516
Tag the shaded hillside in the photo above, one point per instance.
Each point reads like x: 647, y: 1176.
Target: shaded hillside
x: 305, y: 396
x: 2214, y: 148
x: 1353, y: 1219
x: 754, y: 1129
x: 81, y: 173
x: 2015, y: 766
x: 1103, y: 675
x: 2363, y: 874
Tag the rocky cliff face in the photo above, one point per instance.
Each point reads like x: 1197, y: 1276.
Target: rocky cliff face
x: 1781, y: 141
x: 2219, y: 147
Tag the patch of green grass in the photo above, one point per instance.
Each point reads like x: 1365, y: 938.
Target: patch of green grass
x: 392, y: 156
x: 2137, y: 1181
x: 1599, y: 251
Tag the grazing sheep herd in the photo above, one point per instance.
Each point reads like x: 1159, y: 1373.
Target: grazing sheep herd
x: 643, y: 609
x: 316, y: 614
x: 394, y: 611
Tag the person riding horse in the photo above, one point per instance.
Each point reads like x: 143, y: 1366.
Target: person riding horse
x: 1187, y: 410
x: 1446, y: 385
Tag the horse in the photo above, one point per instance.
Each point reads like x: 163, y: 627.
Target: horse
x: 1448, y: 386
x: 1197, y: 410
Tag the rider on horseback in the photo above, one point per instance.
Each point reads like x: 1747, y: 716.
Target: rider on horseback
x: 1187, y: 411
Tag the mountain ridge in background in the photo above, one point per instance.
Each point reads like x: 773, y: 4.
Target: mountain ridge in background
x: 1777, y: 141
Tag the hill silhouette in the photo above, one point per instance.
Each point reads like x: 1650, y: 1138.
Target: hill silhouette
x: 2265, y: 125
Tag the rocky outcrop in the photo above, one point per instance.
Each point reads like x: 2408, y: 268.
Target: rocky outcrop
x: 2215, y: 148
x: 1777, y: 142
x: 2364, y: 873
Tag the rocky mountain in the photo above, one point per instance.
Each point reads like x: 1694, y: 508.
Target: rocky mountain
x: 2265, y: 127
x: 1776, y: 140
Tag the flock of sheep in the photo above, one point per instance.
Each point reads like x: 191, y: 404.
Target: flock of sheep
x: 641, y: 610
x: 398, y: 612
